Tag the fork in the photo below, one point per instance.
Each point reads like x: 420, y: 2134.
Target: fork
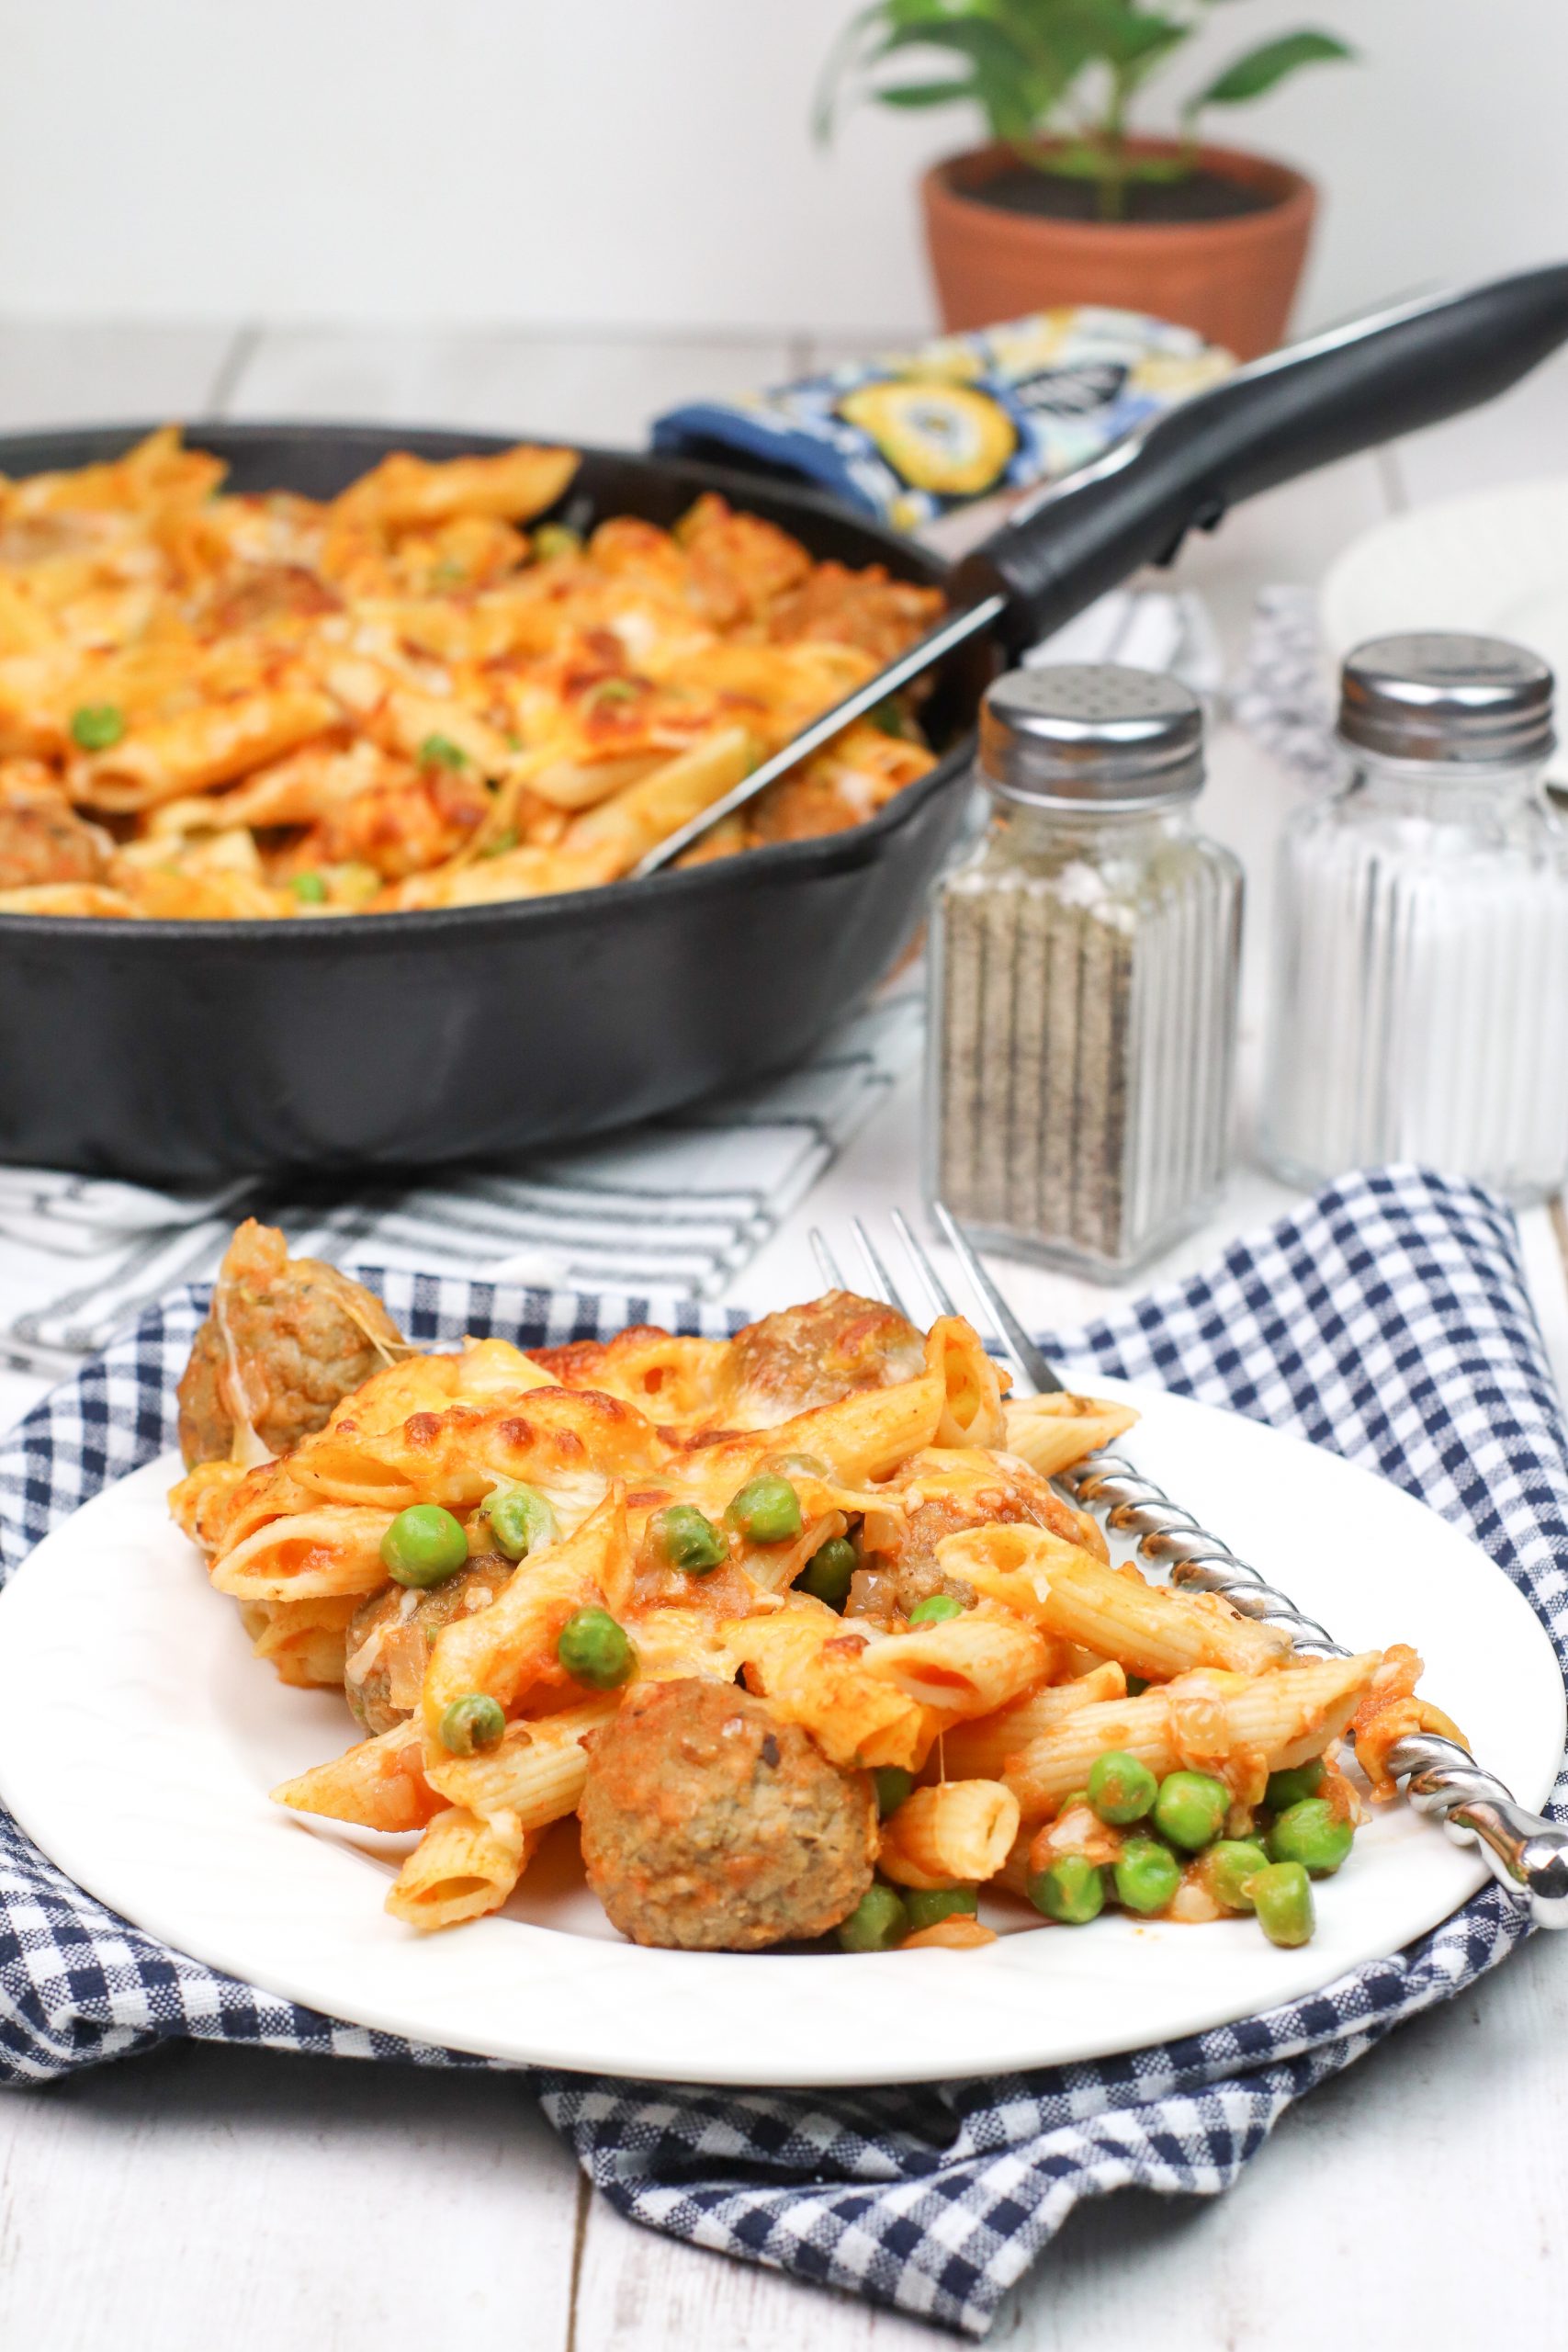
x: 1527, y: 1854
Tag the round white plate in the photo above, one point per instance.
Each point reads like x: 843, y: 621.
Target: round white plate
x: 1496, y: 560
x: 138, y: 1739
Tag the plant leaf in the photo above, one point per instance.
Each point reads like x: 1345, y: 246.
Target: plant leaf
x: 924, y: 94
x: 836, y: 66
x: 1259, y: 70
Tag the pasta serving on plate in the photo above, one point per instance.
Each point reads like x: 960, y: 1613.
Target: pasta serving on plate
x: 795, y: 1624
x: 224, y: 706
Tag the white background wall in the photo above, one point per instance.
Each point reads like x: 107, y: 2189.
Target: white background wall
x: 646, y: 163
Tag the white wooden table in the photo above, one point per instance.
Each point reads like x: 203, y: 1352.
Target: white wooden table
x: 204, y: 2196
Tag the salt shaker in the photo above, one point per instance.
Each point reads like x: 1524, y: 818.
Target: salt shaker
x: 1083, y: 977
x: 1419, y: 1006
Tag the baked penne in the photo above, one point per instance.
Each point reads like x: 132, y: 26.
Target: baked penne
x: 766, y: 1614
x: 461, y: 1869
x: 959, y: 1834
x: 1238, y: 1727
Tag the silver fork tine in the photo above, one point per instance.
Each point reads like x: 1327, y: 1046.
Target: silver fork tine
x: 1026, y: 1358
x: 917, y: 1253
x: 883, y: 1285
x: 827, y: 1264
x: 924, y: 1270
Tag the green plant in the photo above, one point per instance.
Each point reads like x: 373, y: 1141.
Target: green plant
x: 1058, y: 79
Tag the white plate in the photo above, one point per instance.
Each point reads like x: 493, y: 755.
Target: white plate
x: 1496, y: 560
x: 139, y: 1738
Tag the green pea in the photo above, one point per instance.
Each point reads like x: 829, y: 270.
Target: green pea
x: 520, y: 1519
x: 440, y: 751
x: 684, y: 1537
x: 472, y: 1724
x: 310, y: 889
x: 827, y: 1572
x: 1227, y: 1869
x: 423, y: 1545
x: 1191, y: 1809
x: 887, y: 716
x: 892, y: 1785
x: 1147, y: 1875
x: 1286, y: 1789
x: 97, y: 725
x: 507, y: 839
x: 935, y: 1609
x: 766, y: 1510
x: 1312, y: 1834
x: 878, y: 1921
x: 1120, y: 1788
x: 555, y: 539
x: 1281, y: 1896
x: 798, y: 1465
x: 927, y: 1904
x: 1071, y: 1890
x: 595, y: 1650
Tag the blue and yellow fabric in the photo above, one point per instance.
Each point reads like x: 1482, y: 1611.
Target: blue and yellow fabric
x: 908, y: 435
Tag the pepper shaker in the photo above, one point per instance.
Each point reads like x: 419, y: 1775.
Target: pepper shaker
x: 1083, y: 977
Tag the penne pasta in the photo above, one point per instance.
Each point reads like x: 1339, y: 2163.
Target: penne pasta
x: 461, y: 1869
x: 504, y: 1649
x: 968, y: 1665
x: 1152, y: 1632
x: 334, y: 1548
x: 1241, y: 1728
x: 1054, y: 1431
x: 210, y: 745
x: 378, y: 1785
x: 957, y: 1835
x: 536, y: 1775
x: 979, y: 1748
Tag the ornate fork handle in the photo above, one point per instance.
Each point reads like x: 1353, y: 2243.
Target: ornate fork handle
x: 1526, y: 1854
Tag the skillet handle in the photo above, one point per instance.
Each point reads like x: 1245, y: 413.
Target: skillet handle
x: 1387, y: 374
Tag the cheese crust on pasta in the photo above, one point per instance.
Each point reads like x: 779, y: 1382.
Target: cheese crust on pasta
x: 821, y: 1553
x: 219, y: 705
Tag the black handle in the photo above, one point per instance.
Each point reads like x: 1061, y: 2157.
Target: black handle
x: 1302, y: 407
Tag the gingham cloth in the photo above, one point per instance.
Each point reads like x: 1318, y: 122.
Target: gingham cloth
x: 1389, y: 1320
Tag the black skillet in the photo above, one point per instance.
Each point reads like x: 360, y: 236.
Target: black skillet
x: 188, y: 1051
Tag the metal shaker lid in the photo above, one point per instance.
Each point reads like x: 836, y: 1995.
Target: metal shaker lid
x: 1443, y: 696
x: 1092, y: 735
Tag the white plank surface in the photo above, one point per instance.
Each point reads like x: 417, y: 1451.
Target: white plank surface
x: 604, y: 387
x: 206, y: 2195
x: 86, y: 374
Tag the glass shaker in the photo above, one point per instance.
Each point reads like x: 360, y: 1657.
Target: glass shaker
x: 1083, y: 977
x: 1419, y: 1006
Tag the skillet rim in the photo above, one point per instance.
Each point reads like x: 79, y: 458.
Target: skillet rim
x: 817, y: 855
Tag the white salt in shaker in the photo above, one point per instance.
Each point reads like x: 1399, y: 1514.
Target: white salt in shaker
x: 1420, y: 984
x: 1084, y: 959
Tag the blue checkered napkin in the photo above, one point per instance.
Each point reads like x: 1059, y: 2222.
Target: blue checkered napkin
x: 1389, y: 1320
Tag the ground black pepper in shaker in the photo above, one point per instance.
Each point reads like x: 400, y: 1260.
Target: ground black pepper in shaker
x: 1084, y: 973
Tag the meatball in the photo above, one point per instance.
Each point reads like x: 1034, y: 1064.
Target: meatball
x: 41, y: 837
x: 709, y: 1824
x: 390, y: 1636
x: 806, y: 1356
x: 285, y: 1340
x: 903, y: 1569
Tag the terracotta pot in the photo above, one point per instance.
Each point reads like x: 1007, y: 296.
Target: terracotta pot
x: 1232, y: 280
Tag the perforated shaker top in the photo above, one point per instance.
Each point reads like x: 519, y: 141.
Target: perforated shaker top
x: 1091, y: 734
x: 1443, y: 696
